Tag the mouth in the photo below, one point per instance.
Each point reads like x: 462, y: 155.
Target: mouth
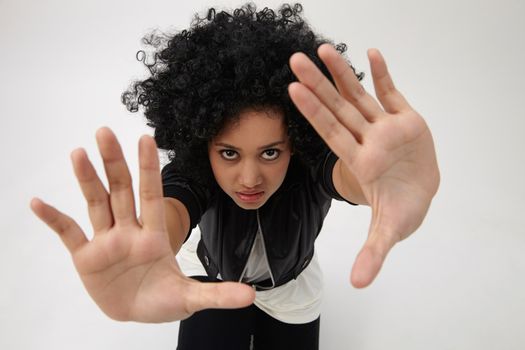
x: 249, y: 197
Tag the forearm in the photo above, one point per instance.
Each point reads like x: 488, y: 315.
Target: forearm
x: 347, y: 185
x: 177, y: 222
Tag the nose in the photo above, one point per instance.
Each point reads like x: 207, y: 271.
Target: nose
x: 250, y: 175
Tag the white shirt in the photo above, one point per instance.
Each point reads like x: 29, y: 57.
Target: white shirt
x: 257, y: 269
x: 297, y: 301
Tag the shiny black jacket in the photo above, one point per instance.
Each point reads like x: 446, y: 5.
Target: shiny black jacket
x: 290, y: 221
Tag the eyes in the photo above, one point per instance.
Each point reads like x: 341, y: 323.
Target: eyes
x: 269, y: 154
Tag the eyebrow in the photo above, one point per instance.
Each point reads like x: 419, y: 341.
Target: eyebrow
x: 237, y: 149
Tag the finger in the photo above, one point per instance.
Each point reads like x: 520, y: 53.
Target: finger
x: 67, y: 229
x: 96, y: 195
x: 119, y: 178
x: 348, y: 84
x: 391, y: 99
x: 336, y: 136
x: 370, y: 259
x: 150, y: 187
x: 218, y: 295
x: 308, y: 74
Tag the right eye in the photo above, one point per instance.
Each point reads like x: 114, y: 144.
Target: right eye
x: 228, y: 154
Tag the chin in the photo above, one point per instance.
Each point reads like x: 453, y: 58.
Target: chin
x: 249, y: 206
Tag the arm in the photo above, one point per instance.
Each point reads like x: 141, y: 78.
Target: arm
x: 347, y: 185
x: 177, y: 222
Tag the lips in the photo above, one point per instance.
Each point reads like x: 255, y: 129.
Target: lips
x: 249, y: 193
x: 250, y: 197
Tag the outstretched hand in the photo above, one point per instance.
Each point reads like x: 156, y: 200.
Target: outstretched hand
x: 128, y: 267
x: 387, y: 148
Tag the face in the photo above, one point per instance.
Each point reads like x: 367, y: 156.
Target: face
x: 250, y: 158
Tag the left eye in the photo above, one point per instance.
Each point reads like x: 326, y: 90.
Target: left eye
x: 271, y: 153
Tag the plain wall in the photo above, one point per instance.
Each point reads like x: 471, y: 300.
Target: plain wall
x: 457, y: 283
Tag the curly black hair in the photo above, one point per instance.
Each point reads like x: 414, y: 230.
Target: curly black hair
x: 226, y: 62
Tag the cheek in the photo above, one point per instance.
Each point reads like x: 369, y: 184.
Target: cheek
x: 279, y: 173
x: 224, y: 175
x: 215, y: 167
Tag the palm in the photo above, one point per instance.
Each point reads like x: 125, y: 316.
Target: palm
x: 388, y: 149
x: 125, y: 270
x: 394, y: 173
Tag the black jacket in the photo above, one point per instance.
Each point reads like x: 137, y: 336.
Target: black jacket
x: 290, y: 221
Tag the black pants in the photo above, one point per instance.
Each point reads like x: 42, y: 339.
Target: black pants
x: 244, y: 329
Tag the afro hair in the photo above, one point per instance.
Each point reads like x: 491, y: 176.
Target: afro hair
x: 202, y: 78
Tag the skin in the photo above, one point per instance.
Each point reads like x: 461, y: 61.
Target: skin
x: 386, y: 160
x: 128, y: 267
x: 242, y: 161
x: 386, y: 151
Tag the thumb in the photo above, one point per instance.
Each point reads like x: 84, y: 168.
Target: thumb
x: 219, y: 295
x: 371, y: 258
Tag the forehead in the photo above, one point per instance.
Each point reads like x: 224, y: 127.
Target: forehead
x: 254, y: 127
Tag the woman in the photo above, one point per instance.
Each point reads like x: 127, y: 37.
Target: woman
x: 256, y: 157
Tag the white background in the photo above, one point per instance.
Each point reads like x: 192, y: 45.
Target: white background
x: 457, y: 283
